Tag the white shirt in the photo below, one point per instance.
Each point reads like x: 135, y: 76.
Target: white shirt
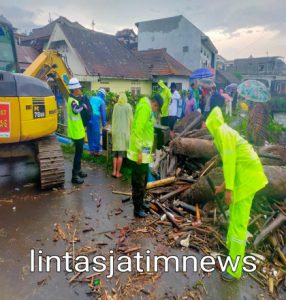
x: 173, y: 106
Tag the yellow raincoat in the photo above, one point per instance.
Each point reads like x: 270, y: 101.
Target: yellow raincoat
x: 122, y: 118
x: 142, y: 133
x: 166, y: 95
x: 243, y: 175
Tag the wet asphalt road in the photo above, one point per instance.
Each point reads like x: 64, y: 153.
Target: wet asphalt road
x: 27, y: 218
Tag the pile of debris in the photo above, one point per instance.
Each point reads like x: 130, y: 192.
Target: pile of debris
x: 183, y: 202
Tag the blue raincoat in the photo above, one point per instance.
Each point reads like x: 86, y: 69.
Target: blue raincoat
x: 93, y: 127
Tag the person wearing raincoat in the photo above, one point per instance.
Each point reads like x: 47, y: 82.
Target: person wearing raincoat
x: 243, y: 177
x: 166, y: 95
x: 122, y: 118
x: 140, y: 149
x: 93, y: 127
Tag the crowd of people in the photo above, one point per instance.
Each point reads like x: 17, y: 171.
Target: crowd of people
x: 134, y: 137
x: 92, y: 112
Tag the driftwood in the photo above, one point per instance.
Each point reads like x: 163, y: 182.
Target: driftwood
x: 173, y: 193
x: 187, y: 207
x: 162, y: 182
x: 274, y: 243
x: 159, y: 156
x: 201, y: 191
x: 269, y: 229
x: 274, y: 155
x: 168, y: 214
x: 183, y: 123
x: 171, y: 171
x: 198, y: 133
x: 194, y: 148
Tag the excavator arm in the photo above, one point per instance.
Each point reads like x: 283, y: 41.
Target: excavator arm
x: 50, y: 65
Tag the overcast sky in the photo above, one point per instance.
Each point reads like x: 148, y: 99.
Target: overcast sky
x: 238, y: 28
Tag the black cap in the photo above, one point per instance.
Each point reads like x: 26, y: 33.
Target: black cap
x: 158, y: 98
x: 173, y: 85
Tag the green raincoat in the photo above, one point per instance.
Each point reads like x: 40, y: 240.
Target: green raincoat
x: 166, y: 95
x: 122, y: 118
x: 142, y: 133
x: 243, y: 175
x: 243, y: 172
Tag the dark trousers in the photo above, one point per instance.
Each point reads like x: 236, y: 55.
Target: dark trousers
x: 77, y: 156
x: 165, y: 121
x: 139, y: 182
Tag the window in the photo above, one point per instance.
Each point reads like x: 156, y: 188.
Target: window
x: 135, y: 91
x: 186, y: 49
x: 7, y: 50
x: 261, y: 68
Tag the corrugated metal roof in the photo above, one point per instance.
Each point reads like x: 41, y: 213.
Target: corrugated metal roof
x: 104, y: 55
x: 161, y: 63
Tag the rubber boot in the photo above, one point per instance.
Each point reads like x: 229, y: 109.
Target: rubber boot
x: 82, y: 174
x: 145, y: 206
x: 76, y: 178
x: 140, y: 213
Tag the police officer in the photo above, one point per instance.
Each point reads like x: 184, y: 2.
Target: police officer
x: 76, y: 129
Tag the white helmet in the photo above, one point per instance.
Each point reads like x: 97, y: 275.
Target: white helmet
x: 74, y: 84
x: 102, y: 91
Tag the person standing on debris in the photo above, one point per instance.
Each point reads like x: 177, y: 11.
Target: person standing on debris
x: 76, y: 129
x: 173, y: 108
x: 122, y: 118
x: 243, y: 177
x: 166, y: 95
x: 93, y: 128
x: 140, y: 149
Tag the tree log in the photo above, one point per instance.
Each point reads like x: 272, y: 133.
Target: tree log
x: 201, y: 191
x: 183, y: 123
x: 162, y: 182
x: 173, y: 194
x: 194, y: 148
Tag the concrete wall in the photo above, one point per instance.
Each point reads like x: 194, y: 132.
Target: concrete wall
x: 174, y: 35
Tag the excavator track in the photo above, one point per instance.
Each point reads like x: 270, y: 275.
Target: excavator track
x: 51, y: 162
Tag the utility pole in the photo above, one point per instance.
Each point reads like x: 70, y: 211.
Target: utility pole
x: 50, y: 18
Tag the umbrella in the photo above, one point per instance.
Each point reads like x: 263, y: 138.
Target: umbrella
x: 253, y: 90
x: 231, y: 88
x: 201, y: 73
x: 206, y: 83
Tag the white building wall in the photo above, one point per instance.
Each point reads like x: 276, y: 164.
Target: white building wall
x: 182, y: 41
x: 206, y: 57
x: 73, y: 60
x: 183, y: 80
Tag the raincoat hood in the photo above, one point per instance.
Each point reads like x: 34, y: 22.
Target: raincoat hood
x: 214, y: 121
x: 122, y: 99
x: 161, y: 84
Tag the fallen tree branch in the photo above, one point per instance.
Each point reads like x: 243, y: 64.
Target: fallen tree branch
x: 269, y: 229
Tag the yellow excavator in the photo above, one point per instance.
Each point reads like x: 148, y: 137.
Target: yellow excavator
x: 28, y: 108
